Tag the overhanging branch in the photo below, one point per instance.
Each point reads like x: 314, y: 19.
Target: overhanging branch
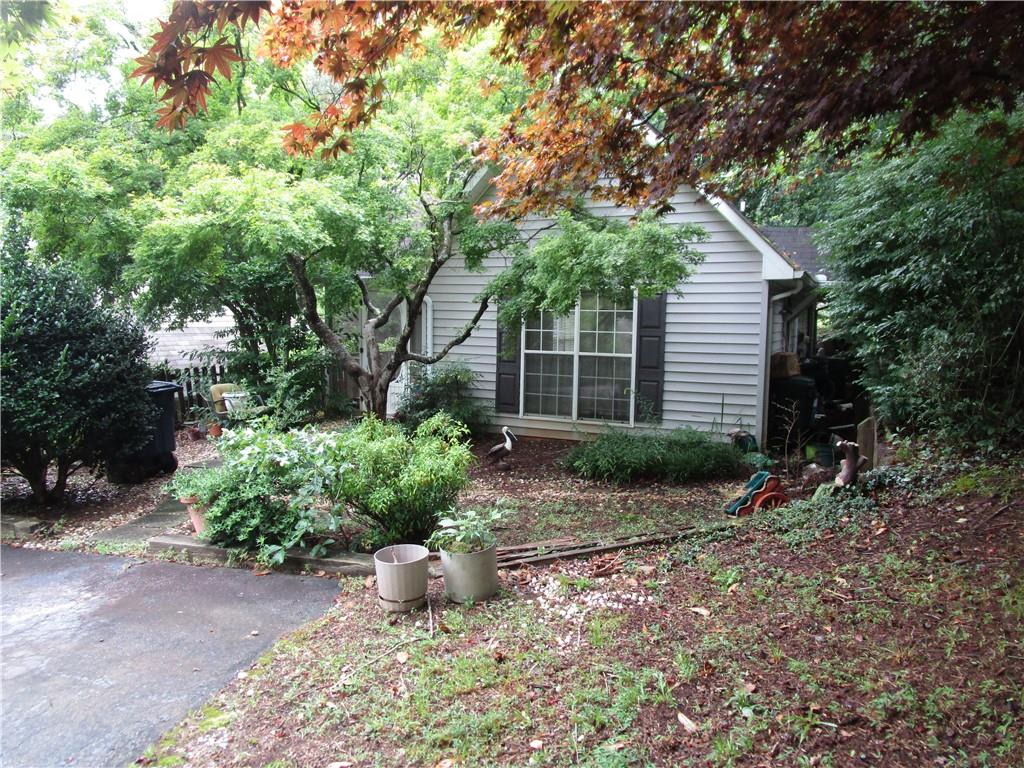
x: 307, y: 301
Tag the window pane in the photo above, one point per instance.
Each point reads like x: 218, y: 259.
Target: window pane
x: 605, y: 343
x: 547, y: 384
x: 564, y: 330
x: 604, y: 388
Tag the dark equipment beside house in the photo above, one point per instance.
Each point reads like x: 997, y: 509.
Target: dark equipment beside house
x: 158, y: 454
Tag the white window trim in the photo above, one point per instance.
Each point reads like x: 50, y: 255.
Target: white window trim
x: 576, y: 374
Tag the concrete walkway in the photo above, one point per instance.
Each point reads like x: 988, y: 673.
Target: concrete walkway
x: 101, y: 655
x: 168, y: 515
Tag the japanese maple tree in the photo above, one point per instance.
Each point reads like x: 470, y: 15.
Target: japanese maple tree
x: 650, y: 94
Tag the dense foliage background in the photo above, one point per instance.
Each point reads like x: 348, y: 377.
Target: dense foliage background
x: 928, y: 253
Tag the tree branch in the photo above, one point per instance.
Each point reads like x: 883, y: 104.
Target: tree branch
x: 365, y: 291
x: 463, y: 335
x: 306, y: 296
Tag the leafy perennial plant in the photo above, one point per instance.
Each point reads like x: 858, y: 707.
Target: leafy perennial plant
x: 278, y: 490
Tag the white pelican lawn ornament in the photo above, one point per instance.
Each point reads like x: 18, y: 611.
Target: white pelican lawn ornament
x: 499, y: 453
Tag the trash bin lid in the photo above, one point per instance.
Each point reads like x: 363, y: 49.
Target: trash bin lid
x: 156, y: 387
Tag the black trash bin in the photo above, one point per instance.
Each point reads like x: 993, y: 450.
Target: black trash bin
x: 161, y: 446
x: 158, y: 454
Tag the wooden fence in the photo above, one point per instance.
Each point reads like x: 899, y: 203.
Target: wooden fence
x: 195, y: 382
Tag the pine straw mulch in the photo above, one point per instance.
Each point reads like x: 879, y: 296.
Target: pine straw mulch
x: 551, y: 502
x: 898, y: 644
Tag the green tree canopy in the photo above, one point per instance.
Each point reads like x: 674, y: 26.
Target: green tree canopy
x: 928, y: 253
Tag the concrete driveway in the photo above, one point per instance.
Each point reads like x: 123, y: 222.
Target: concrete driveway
x: 101, y: 655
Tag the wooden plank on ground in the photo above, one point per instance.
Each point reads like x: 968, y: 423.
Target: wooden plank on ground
x: 593, y: 548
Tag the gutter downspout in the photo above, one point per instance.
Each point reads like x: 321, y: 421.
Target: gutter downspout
x: 785, y: 322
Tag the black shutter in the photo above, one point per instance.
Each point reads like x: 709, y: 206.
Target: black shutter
x: 506, y: 375
x: 650, y: 357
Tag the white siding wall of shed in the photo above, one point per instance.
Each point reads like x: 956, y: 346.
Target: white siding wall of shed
x: 174, y: 346
x: 713, y: 329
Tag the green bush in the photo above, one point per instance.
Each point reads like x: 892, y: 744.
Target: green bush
x: 399, y: 483
x: 74, y: 377
x: 263, y: 499
x: 443, y: 387
x: 928, y: 254
x: 251, y: 517
x: 680, y: 456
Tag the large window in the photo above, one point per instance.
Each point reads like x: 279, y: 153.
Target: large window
x: 580, y: 366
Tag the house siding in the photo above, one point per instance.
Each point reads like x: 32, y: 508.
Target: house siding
x: 714, y: 336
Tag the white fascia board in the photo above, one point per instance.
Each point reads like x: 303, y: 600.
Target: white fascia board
x: 774, y: 265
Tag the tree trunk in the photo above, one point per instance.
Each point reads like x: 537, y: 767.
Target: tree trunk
x: 33, y: 469
x: 377, y: 393
x: 63, y: 471
x: 37, y: 481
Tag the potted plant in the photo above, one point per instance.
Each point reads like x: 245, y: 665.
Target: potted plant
x: 468, y: 554
x: 196, y: 489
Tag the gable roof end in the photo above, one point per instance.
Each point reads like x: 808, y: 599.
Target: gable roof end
x: 775, y: 264
x: 798, y: 244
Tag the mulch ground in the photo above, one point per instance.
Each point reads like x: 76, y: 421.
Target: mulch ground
x: 94, y: 504
x: 552, y: 502
x: 898, y: 644
x: 548, y: 501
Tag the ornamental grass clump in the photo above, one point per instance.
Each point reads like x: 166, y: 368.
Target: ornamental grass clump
x: 680, y: 456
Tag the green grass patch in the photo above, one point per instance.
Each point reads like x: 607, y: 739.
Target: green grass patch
x: 803, y: 521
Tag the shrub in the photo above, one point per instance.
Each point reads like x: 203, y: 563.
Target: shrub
x: 257, y: 501
x: 444, y: 387
x: 399, y: 483
x: 928, y: 254
x: 251, y: 517
x: 74, y: 377
x: 679, y: 456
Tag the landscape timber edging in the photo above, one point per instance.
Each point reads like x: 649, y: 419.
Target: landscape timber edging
x: 347, y: 564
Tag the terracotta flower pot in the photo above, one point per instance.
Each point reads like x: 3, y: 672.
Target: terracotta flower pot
x: 195, y: 513
x: 215, y: 429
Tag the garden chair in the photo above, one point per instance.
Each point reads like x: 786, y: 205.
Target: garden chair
x: 230, y: 410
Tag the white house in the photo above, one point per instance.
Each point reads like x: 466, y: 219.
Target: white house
x: 699, y: 358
